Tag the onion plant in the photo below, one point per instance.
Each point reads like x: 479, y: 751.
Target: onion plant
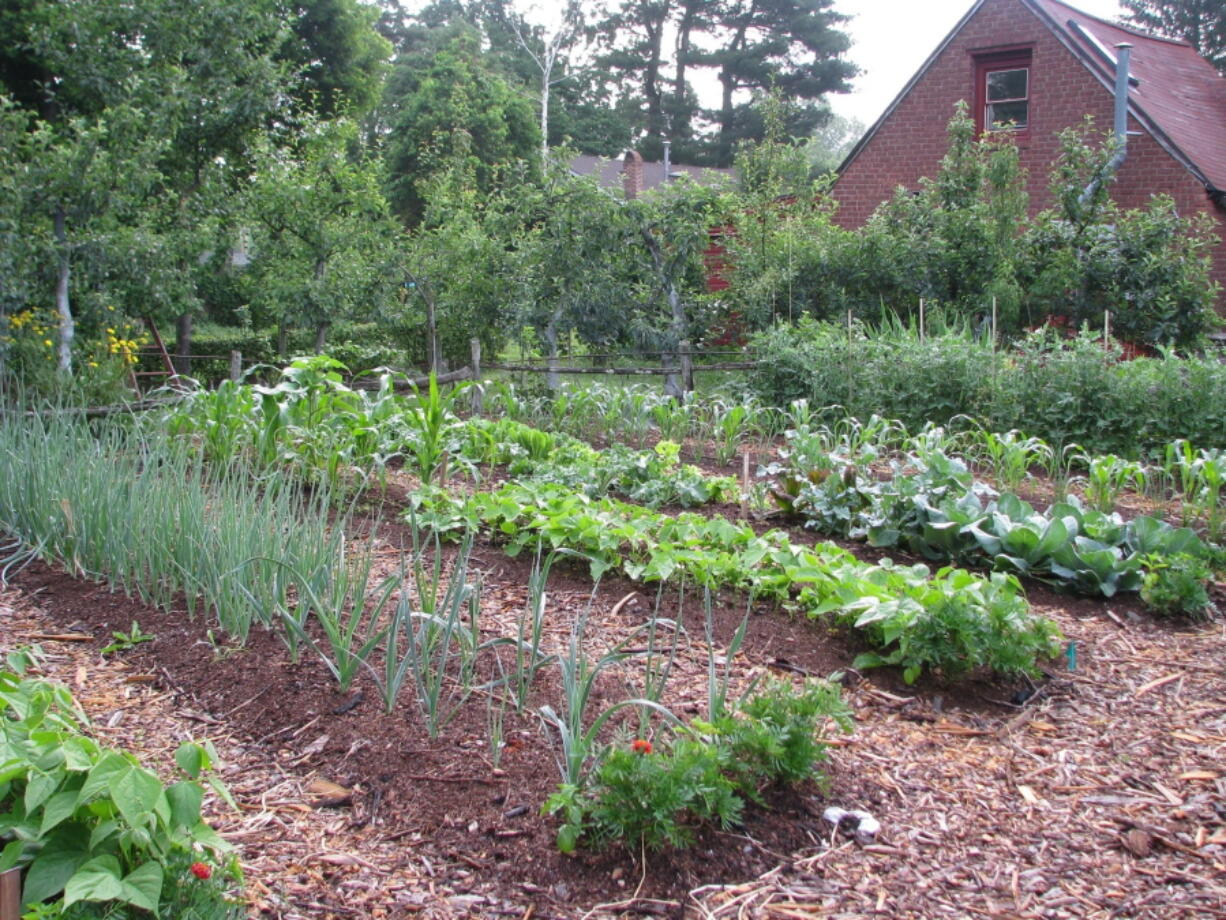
x: 577, y: 740
x: 143, y: 512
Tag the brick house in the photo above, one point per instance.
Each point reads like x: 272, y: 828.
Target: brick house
x: 1044, y: 66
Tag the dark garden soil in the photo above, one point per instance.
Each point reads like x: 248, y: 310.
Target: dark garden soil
x: 1096, y: 792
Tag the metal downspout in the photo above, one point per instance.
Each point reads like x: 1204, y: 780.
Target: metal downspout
x: 1123, y: 58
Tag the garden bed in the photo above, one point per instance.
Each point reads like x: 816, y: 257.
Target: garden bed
x: 1101, y: 795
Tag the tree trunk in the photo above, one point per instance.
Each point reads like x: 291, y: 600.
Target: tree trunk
x: 282, y: 339
x: 675, y: 375
x: 183, y: 344
x: 63, y: 308
x: 321, y: 337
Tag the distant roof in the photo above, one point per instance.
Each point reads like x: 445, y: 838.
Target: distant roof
x: 609, y: 172
x: 1177, y: 95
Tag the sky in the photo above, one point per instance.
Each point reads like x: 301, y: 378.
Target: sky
x: 891, y: 39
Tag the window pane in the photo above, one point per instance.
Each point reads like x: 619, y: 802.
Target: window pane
x: 1003, y: 112
x: 1007, y: 84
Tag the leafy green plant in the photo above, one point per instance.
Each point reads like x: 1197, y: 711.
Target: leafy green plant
x: 651, y: 795
x: 820, y: 581
x: 432, y: 425
x: 88, y: 824
x: 127, y: 640
x: 951, y: 625
x: 1175, y: 586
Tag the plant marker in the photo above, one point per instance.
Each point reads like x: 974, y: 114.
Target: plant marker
x: 1071, y: 654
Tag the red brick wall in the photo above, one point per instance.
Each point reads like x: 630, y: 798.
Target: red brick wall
x: 911, y: 142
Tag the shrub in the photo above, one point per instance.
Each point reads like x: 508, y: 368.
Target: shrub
x: 1061, y: 390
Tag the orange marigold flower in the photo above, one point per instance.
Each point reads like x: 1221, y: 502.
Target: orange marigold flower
x: 641, y: 746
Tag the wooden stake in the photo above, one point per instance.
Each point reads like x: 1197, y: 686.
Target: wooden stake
x: 745, y: 485
x: 921, y: 324
x: 475, y: 346
x: 993, y: 322
x: 236, y: 365
x: 10, y: 895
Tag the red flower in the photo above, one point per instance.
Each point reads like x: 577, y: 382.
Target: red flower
x: 641, y: 746
x: 201, y: 870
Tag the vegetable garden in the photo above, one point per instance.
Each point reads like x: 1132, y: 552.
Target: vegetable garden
x: 605, y: 652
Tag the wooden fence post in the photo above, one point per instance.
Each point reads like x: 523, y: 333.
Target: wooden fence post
x: 236, y: 365
x: 687, y: 368
x: 475, y: 345
x: 10, y: 895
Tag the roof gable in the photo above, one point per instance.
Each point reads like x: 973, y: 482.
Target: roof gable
x: 1177, y: 95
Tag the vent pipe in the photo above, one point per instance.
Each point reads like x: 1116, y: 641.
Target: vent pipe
x: 1123, y: 58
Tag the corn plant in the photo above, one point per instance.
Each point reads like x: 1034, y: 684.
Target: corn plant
x: 432, y: 427
x: 673, y: 418
x: 1060, y: 466
x: 1008, y: 456
x: 730, y: 429
x: 1108, y: 476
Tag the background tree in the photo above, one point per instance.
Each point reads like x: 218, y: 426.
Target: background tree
x: 790, y: 44
x: 323, y: 238
x: 337, y: 55
x: 442, y: 103
x: 1202, y: 23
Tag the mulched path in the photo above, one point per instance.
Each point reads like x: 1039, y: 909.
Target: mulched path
x: 1101, y: 795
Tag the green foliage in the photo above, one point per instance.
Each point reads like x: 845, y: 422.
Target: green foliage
x: 645, y: 796
x: 90, y: 825
x: 451, y: 108
x: 1062, y: 391
x: 714, y: 552
x: 1175, y: 586
x: 322, y: 240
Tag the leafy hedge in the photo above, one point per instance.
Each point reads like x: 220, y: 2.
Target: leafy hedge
x: 1062, y: 390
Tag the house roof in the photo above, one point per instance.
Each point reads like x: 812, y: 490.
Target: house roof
x: 609, y: 172
x: 1176, y: 94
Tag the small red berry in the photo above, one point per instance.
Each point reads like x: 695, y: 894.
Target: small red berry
x: 200, y: 870
x: 641, y: 746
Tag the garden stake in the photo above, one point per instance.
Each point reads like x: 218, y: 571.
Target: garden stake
x: 921, y: 324
x: 1071, y: 654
